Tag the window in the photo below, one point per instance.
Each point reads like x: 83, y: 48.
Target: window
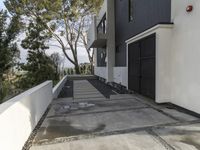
x: 102, y: 25
x: 117, y: 49
x: 101, y: 57
x: 130, y: 10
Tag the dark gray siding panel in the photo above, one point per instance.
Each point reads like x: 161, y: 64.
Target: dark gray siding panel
x: 147, y: 13
x: 120, y: 55
x: 101, y: 57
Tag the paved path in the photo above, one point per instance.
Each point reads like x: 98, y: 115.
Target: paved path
x: 89, y: 121
x: 83, y: 89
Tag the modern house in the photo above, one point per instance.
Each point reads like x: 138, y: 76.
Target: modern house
x: 151, y: 47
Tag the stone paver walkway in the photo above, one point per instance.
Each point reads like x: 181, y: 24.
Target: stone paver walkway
x: 89, y: 121
x: 83, y: 89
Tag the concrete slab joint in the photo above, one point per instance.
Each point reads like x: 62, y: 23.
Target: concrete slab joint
x: 89, y: 120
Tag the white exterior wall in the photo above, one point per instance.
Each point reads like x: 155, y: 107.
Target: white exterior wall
x: 185, y: 56
x: 57, y: 89
x: 100, y: 71
x: 120, y: 75
x: 108, y: 7
x: 92, y: 32
x: 110, y: 39
x: 163, y: 64
x: 20, y: 115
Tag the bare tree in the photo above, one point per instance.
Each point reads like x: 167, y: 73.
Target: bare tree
x: 83, y: 37
x: 63, y: 20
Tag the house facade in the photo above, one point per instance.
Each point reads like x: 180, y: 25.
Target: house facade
x: 150, y: 47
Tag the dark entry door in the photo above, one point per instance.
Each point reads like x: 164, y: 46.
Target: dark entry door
x: 142, y: 66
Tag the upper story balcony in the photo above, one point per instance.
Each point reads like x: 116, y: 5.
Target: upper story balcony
x: 97, y: 35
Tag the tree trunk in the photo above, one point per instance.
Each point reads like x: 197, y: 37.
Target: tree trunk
x: 1, y: 89
x: 92, y: 69
x: 77, y: 71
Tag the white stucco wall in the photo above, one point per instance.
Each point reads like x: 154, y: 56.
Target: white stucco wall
x: 185, y: 56
x: 20, y: 115
x: 92, y: 32
x: 100, y: 71
x: 120, y: 75
x: 163, y: 64
x: 57, y: 89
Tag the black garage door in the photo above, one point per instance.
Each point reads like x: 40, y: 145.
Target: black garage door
x: 141, y: 66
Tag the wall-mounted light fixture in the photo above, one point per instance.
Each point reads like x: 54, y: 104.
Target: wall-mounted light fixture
x: 189, y: 8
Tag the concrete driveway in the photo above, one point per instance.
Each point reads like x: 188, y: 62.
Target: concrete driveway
x: 90, y: 121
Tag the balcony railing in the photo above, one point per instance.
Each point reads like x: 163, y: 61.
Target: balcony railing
x: 92, y: 32
x: 101, y: 28
x: 97, y: 33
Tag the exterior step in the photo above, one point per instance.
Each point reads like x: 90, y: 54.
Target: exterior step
x: 82, y: 77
